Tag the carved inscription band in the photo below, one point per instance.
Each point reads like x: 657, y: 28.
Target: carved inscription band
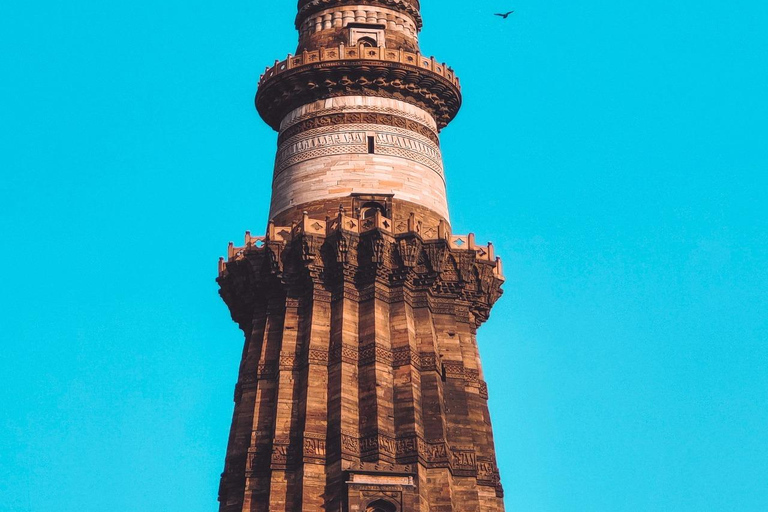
x: 358, y: 118
x: 287, y: 452
x: 397, y: 357
x: 328, y: 141
x: 358, y: 104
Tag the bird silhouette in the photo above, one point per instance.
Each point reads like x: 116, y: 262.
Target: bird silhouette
x: 505, y: 16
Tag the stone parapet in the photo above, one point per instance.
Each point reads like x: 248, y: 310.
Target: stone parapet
x: 309, y: 7
x: 357, y: 105
x: 348, y: 24
x: 428, y: 221
x: 343, y: 222
x: 346, y: 53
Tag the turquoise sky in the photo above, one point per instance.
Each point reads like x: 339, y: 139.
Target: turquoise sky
x: 614, y: 151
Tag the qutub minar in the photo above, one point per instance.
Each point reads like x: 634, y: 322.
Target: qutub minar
x: 360, y: 387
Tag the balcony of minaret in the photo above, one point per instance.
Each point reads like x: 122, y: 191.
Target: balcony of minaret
x: 343, y: 70
x: 434, y: 259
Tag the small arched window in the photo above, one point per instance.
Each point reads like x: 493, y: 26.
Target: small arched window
x: 369, y: 210
x: 367, y: 42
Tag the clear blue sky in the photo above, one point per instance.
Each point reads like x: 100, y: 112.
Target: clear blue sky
x: 614, y: 151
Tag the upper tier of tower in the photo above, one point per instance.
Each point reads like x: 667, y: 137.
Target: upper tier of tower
x: 359, y: 110
x: 330, y: 23
x: 358, y: 48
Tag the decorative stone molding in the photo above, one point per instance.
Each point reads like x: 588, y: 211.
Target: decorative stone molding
x: 340, y: 17
x: 345, y: 71
x: 286, y: 452
x: 314, y: 449
x: 352, y: 139
x: 472, y: 273
x: 360, y: 118
x: 358, y: 105
x: 309, y: 7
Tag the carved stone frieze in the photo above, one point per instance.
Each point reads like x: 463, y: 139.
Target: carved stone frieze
x: 435, y: 453
x: 285, y: 453
x: 314, y: 448
x: 454, y: 370
x: 403, y: 356
x: 358, y: 118
x: 319, y: 357
x: 483, y: 389
x: 463, y: 462
x: 471, y: 376
x: 407, y: 448
x: 374, y: 353
x: 267, y: 371
x: 422, y: 119
x: 429, y: 362
x: 378, y: 444
x: 458, y: 284
x: 350, y: 445
x: 343, y: 353
x: 487, y: 472
x: 288, y: 362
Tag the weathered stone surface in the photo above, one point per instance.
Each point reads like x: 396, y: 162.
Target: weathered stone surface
x: 360, y: 362
x: 360, y: 387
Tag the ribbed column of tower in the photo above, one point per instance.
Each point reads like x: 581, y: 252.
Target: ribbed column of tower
x: 360, y: 387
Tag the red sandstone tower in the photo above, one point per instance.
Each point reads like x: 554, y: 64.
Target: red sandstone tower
x: 360, y: 387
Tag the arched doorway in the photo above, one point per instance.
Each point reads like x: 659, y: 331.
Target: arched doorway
x: 369, y: 210
x: 381, y: 506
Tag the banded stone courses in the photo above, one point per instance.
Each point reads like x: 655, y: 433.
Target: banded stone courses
x: 360, y: 387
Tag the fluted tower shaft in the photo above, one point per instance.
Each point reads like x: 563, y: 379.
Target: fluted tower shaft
x: 360, y: 387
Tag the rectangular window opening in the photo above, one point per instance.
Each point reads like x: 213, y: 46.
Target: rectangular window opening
x: 371, y: 145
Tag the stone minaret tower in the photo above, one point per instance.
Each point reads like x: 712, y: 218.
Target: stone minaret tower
x: 360, y: 387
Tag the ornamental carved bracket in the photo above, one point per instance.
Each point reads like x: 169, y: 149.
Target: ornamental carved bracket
x: 409, y: 249
x: 375, y: 249
x: 345, y: 255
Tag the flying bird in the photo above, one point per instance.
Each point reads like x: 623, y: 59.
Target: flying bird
x: 505, y: 16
